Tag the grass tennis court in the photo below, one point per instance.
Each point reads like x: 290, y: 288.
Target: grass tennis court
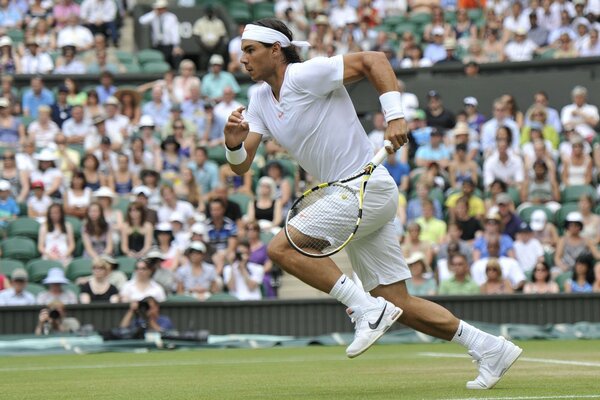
x: 547, y: 370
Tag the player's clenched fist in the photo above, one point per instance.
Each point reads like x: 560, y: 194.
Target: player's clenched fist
x: 236, y: 128
x: 397, y: 133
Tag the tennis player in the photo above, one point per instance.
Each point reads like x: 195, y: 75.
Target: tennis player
x: 306, y: 109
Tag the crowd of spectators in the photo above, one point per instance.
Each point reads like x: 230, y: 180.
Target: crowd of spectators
x: 139, y: 172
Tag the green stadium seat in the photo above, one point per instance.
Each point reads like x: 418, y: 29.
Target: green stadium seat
x: 26, y: 120
x: 132, y: 67
x: 475, y: 14
x: 7, y: 266
x: 17, y: 35
x: 420, y: 18
x: 450, y: 17
x: 78, y: 148
x: 217, y: 154
x: 149, y: 55
x: 76, y: 224
x: 121, y: 204
x: 405, y: 27
x: 222, y: 297
x: 35, y: 288
x: 73, y: 288
x: 124, y: 57
x: 525, y: 213
x: 394, y: 20
x: 24, y: 226
x: 515, y: 195
x: 242, y: 199
x: 180, y: 298
x: 79, y: 267
x: 156, y: 67
x: 561, y: 214
x: 547, y: 54
x: 561, y: 279
x: 126, y: 265
x: 574, y: 193
x: 19, y: 248
x: 263, y: 10
x: 38, y: 269
x: 240, y: 11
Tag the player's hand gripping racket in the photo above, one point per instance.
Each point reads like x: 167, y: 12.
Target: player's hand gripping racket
x: 325, y: 218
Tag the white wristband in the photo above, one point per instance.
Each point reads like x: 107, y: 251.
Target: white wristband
x: 391, y: 105
x: 236, y: 157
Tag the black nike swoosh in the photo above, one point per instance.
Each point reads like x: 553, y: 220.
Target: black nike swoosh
x: 341, y: 283
x: 461, y: 329
x: 376, y: 324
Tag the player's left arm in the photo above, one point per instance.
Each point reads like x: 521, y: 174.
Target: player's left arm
x: 377, y: 69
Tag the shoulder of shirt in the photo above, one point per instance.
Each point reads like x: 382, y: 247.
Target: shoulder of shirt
x: 228, y: 220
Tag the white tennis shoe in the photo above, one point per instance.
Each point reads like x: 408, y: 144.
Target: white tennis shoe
x: 493, y: 364
x: 370, y: 324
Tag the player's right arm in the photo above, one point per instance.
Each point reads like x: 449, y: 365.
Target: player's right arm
x: 237, y: 132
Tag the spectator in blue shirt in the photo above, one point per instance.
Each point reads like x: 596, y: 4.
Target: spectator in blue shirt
x: 9, y: 209
x: 492, y: 231
x: 205, y: 171
x: 222, y: 235
x: 158, y: 108
x: 106, y: 87
x: 10, y: 17
x: 434, y: 151
x: 35, y: 97
x: 217, y: 80
x: 414, y: 207
x: 145, y: 315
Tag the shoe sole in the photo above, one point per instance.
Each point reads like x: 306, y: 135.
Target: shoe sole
x: 394, y: 317
x: 514, y: 356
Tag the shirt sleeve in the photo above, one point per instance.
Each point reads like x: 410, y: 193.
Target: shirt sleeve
x: 318, y: 76
x: 255, y: 122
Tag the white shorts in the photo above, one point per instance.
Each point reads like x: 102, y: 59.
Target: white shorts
x: 374, y: 252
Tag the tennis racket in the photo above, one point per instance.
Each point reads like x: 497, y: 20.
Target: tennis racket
x: 325, y: 218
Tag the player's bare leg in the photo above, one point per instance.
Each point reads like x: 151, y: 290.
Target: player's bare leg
x: 494, y: 355
x: 372, y: 316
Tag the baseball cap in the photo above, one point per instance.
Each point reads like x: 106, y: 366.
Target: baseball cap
x: 433, y: 93
x: 197, y: 245
x: 538, y: 220
x: 105, y: 140
x: 37, y: 185
x: 493, y: 216
x: 154, y: 252
x: 109, y: 259
x: 574, y: 216
x: 5, y: 41
x: 503, y: 198
x: 461, y: 128
x: 19, y: 274
x: 216, y: 59
x: 4, y: 185
x: 63, y: 89
x: 437, y: 31
x: 470, y: 101
x: 176, y: 217
x: 4, y: 102
x: 524, y: 227
x: 142, y: 189
x: 112, y: 100
x: 163, y: 227
x: 450, y: 43
x: 520, y: 31
x: 199, y: 229
x: 146, y: 121
x: 160, y: 4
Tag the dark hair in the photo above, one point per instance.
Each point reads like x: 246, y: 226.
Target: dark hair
x: 546, y: 267
x: 509, y: 139
x: 95, y: 228
x: 542, y: 163
x: 219, y: 201
x: 78, y: 174
x: 588, y: 260
x: 93, y: 157
x: 289, y: 53
x: 61, y: 222
x: 502, y: 184
x: 158, y: 232
x: 202, y: 149
x: 461, y: 255
x: 140, y: 208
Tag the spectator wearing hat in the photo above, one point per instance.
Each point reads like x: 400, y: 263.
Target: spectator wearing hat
x: 48, y: 173
x: 9, y: 63
x: 475, y: 119
x: 99, y: 289
x: 39, y: 202
x: 165, y: 241
x: 450, y: 57
x: 142, y: 284
x: 53, y: 319
x: 528, y: 250
x: 36, y: 96
x: 16, y: 294
x: 211, y: 35
x: 520, y: 48
x: 421, y: 282
x: 165, y: 32
x: 582, y: 115
x: 435, y: 151
x: 9, y: 209
x: 136, y: 232
x: 68, y: 63
x: 216, y: 80
x: 571, y: 244
x: 545, y: 232
x: 100, y: 16
x: 105, y: 197
x: 435, y: 51
x: 437, y: 115
x: 56, y: 291
x: 509, y: 218
x: 197, y: 277
x: 577, y: 169
x: 142, y: 193
x: 117, y: 124
x: 509, y: 266
x: 35, y: 60
x: 460, y: 283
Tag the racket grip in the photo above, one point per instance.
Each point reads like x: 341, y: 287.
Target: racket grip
x: 382, y: 153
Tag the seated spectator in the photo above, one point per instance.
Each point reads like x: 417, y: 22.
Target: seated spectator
x: 69, y: 63
x: 596, y: 285
x: 96, y: 234
x: 284, y: 190
x: 181, y: 236
x: 142, y: 285
x: 577, y: 169
x: 266, y: 207
x: 100, y: 16
x: 509, y: 218
x: 75, y: 34
x: 98, y: 288
x: 123, y: 179
x: 571, y: 245
x: 151, y: 179
x: 131, y: 107
x: 513, y: 109
x: 537, y: 128
x: 242, y: 277
x: 583, y: 275
x: 492, y: 232
x: 183, y: 83
x: 206, y: 171
x: 542, y: 188
x: 165, y: 242
x: 222, y: 234
x: 36, y: 96
x: 38, y: 203
x: 543, y: 230
x: 495, y: 282
x: 435, y: 151
x: 398, y: 167
x: 510, y: 267
x: 55, y: 281
x: 17, y: 178
x: 189, y: 130
x: 570, y: 136
x: 537, y: 34
x: 490, y: 129
x: 9, y: 209
x: 493, y: 47
x: 212, y: 128
x: 450, y: 56
x: 196, y: 277
x: 590, y: 46
x: 476, y: 206
x: 421, y: 283
x: 414, y: 58
x: 16, y: 294
x: 549, y: 117
x: 566, y: 47
x: 414, y: 209
x: 78, y: 197
x: 117, y: 124
x: 435, y: 50
x: 433, y: 229
x: 145, y: 315
x: 217, y: 80
x: 54, y: 319
x: 438, y: 116
x: 43, y: 129
x: 12, y: 130
x: 171, y: 204
x: 528, y: 250
x: 56, y: 240
x: 170, y: 160
x: 157, y: 108
x: 582, y: 115
x: 237, y: 183
x: 74, y: 95
x: 411, y: 243
x: 92, y: 108
x: 504, y: 165
x: 460, y: 283
x: 469, y: 225
x: 141, y: 195
x: 186, y: 187
x: 466, y: 132
x: 9, y: 62
x: 35, y: 60
x: 61, y: 109
x: 258, y: 255
x: 591, y: 220
x: 521, y: 48
x: 136, y: 232
x: 106, y: 88
x: 541, y: 280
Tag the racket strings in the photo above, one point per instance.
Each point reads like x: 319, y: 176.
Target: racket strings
x: 322, y: 221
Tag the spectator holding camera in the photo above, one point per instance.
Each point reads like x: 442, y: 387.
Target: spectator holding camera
x: 145, y: 315
x: 142, y: 285
x: 243, y: 278
x: 53, y: 319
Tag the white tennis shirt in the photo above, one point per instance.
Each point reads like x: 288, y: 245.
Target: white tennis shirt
x: 314, y: 119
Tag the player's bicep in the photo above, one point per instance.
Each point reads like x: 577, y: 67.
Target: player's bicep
x: 354, y: 67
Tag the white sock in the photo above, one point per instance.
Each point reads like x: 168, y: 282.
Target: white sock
x: 349, y: 294
x: 473, y: 338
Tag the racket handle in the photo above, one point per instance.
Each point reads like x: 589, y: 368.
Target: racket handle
x: 382, y: 153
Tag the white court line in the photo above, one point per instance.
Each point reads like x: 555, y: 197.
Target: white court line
x: 527, y: 359
x: 569, y: 396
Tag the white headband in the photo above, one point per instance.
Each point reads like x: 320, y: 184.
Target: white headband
x: 267, y: 35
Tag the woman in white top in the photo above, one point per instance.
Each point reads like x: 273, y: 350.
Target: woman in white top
x: 577, y: 170
x: 591, y: 221
x: 56, y: 241
x: 185, y: 80
x: 78, y: 196
x: 43, y: 129
x: 142, y: 285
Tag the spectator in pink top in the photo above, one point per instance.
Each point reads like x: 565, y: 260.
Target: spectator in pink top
x: 63, y: 10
